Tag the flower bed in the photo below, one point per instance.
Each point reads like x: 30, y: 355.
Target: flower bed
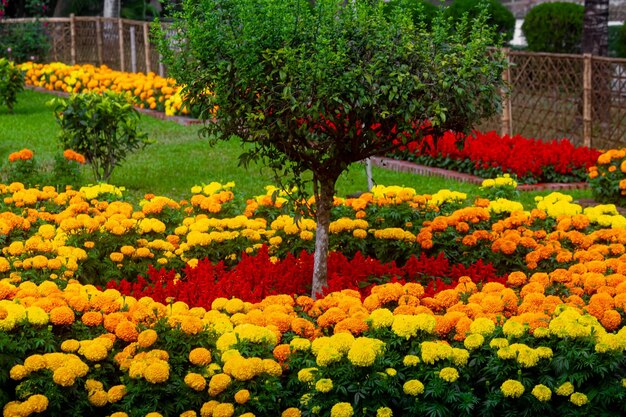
x: 489, y: 154
x: 150, y: 91
x: 546, y: 338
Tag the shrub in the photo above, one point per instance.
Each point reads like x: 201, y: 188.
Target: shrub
x: 420, y: 10
x: 11, y: 83
x: 24, y: 42
x: 617, y: 44
x: 499, y: 16
x: 101, y: 127
x: 554, y: 27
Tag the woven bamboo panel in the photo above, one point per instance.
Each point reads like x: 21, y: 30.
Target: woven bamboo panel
x: 608, y: 103
x: 86, y: 42
x: 111, y: 43
x: 546, y: 96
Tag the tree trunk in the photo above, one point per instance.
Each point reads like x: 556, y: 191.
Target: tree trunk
x: 596, y: 27
x: 324, y: 203
x: 596, y: 42
x: 61, y: 9
x: 111, y: 8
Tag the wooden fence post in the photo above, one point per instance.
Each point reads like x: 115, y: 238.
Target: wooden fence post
x: 507, y: 120
x: 146, y: 47
x: 99, y: 39
x: 133, y: 50
x: 73, y: 38
x: 120, y: 31
x: 587, y: 100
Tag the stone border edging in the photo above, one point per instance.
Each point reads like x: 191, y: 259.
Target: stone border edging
x: 405, y: 166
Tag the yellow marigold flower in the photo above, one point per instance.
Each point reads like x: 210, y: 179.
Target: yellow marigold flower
x: 157, y: 372
x: 200, y: 356
x: 513, y: 329
x: 18, y: 372
x: 342, y: 410
x: 578, y: 398
x: 542, y: 393
x: 95, y: 352
x: 38, y: 403
x: 188, y: 413
x: 498, y: 343
x: 37, y: 315
x: 92, y: 385
x: 242, y: 396
x: 391, y: 372
x: 413, y: 387
x: 154, y: 414
x: 364, y: 351
x: 449, y: 374
x: 512, y: 388
x: 381, y: 317
x: 64, y: 376
x: 195, y: 381
x: 116, y: 393
x: 218, y: 384
x: 411, y: 360
x: 299, y: 343
x: 408, y: 326
x: 34, y: 363
x: 483, y: 326
x: 224, y: 410
x: 291, y: 412
x: 384, y: 412
x: 208, y: 407
x: 324, y: 385
x: 98, y: 398
x: 327, y: 355
x: 474, y: 341
x: 306, y: 374
x: 146, y: 338
x: 565, y: 389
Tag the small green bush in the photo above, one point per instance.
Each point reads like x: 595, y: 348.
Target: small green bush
x: 500, y: 17
x: 23, y: 42
x: 421, y: 10
x: 11, y: 83
x: 101, y: 127
x: 555, y: 27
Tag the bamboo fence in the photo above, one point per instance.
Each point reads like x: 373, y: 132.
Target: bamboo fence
x: 550, y: 96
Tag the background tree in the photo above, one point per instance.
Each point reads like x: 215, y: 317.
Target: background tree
x: 314, y: 86
x: 596, y: 27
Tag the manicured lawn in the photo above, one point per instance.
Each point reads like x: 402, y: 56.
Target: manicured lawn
x: 181, y: 158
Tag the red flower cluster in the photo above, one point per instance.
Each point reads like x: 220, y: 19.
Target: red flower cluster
x: 489, y: 154
x: 257, y: 277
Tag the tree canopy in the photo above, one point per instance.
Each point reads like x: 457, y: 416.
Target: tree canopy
x: 314, y: 86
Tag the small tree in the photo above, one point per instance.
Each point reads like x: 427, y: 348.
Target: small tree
x: 314, y: 86
x: 104, y: 128
x: 11, y: 83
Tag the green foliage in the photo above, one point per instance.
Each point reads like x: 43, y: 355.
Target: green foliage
x: 499, y: 16
x: 11, y: 83
x: 554, y: 27
x: 101, y: 127
x: 23, y: 42
x: 317, y: 88
x: 419, y: 10
x: 619, y: 40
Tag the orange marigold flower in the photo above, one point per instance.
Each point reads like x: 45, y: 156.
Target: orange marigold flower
x: 517, y: 279
x: 147, y: 338
x: 70, y: 155
x: 24, y: 155
x: 611, y: 320
x: 127, y: 331
x: 62, y: 316
x: 92, y: 318
x: 200, y: 356
x: 282, y: 352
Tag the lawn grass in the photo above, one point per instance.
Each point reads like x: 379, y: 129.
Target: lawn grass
x: 180, y: 159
